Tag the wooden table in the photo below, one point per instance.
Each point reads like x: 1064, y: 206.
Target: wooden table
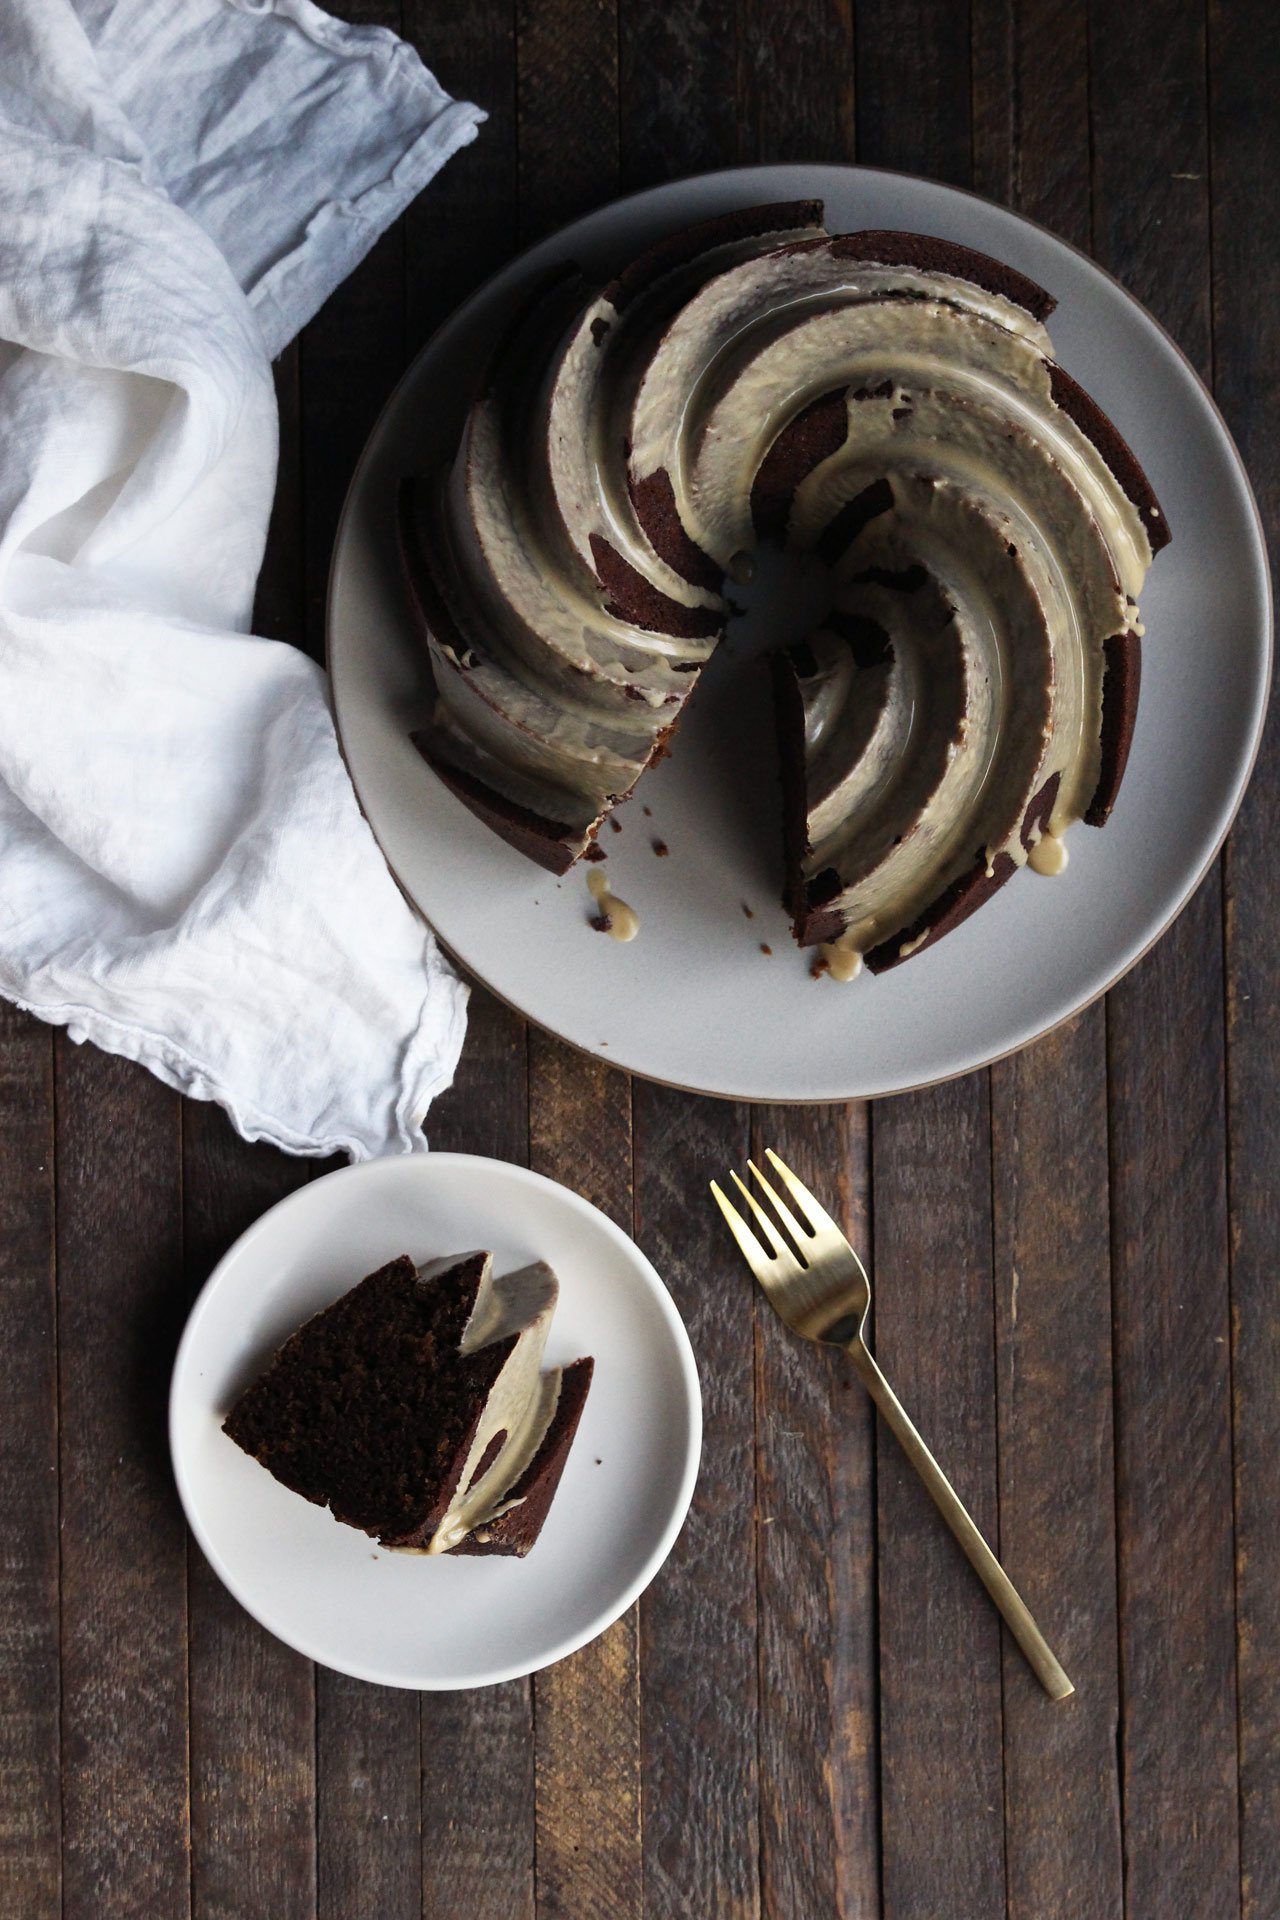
x: 813, y: 1711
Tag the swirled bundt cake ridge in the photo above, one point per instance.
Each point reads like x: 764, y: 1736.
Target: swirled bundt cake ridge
x: 886, y: 401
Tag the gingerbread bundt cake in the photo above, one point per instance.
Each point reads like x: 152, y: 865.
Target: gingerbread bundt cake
x: 886, y: 401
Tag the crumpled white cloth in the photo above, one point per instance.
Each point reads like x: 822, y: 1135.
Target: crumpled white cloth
x: 185, y: 875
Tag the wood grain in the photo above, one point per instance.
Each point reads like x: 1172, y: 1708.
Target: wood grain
x: 1244, y: 42
x: 678, y: 74
x: 567, y: 110
x: 587, y: 1708
x: 816, y: 1569
x: 369, y: 1854
x: 795, y: 82
x: 942, y: 1790
x: 1169, y: 1224
x: 464, y: 227
x: 1063, y: 1848
x: 815, y: 1486
x: 350, y: 357
x: 30, y: 1795
x: 798, y: 1721
x: 913, y: 93
x: 124, y: 1652
x: 698, y: 1622
x: 252, y: 1700
x: 680, y: 110
x: 1057, y: 1470
x: 477, y: 1748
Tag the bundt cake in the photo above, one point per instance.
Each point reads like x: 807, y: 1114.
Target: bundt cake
x: 885, y: 401
x: 415, y: 1407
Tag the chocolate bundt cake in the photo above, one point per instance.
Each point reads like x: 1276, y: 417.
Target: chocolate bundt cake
x: 886, y: 401
x: 415, y: 1407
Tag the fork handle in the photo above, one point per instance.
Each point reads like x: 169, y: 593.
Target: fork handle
x: 978, y: 1553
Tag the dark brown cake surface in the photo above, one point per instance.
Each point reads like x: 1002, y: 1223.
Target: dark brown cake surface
x: 369, y: 1408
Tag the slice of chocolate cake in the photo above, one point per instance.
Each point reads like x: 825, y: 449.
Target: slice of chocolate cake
x: 415, y: 1407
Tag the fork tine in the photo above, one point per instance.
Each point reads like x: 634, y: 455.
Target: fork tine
x: 819, y: 1220
x: 798, y: 1233
x: 777, y: 1247
x: 748, y: 1245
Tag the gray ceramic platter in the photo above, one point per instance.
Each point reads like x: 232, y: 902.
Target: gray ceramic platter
x: 694, y: 1000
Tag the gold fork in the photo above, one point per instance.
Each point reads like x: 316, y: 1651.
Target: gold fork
x: 825, y: 1295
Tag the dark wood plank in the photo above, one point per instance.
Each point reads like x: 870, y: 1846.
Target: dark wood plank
x: 1244, y: 45
x: 1173, y: 1427
x: 367, y: 1738
x: 252, y: 1700
x: 796, y: 82
x: 940, y: 1637
x: 1050, y: 1183
x: 1030, y: 107
x: 913, y: 87
x: 587, y: 1708
x: 815, y: 1558
x: 463, y: 228
x: 815, y: 1475
x: 1169, y: 1225
x: 477, y: 1748
x: 368, y: 1824
x: 1057, y: 1470
x: 30, y: 1798
x: 567, y: 65
x: 680, y: 114
x: 940, y: 1648
x: 253, y: 1811
x: 477, y: 1807
x: 124, y: 1655
x: 350, y: 357
x: 677, y: 68
x: 698, y: 1619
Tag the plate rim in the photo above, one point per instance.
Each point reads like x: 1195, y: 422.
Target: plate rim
x: 645, y: 1272
x: 802, y: 171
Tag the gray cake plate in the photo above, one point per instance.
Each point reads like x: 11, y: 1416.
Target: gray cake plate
x: 696, y: 1000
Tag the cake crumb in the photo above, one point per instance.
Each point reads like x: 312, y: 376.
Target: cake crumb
x: 661, y: 848
x: 599, y: 1463
x: 601, y: 923
x: 818, y: 968
x: 764, y: 948
x: 615, y: 823
x: 748, y: 911
x: 595, y: 852
x: 648, y: 813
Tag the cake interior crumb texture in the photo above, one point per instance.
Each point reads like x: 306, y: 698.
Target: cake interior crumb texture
x: 371, y: 1408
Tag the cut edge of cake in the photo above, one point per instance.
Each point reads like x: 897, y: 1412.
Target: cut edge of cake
x: 483, y: 1432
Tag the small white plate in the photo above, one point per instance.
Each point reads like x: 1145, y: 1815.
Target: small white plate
x: 693, y: 1001
x: 404, y: 1620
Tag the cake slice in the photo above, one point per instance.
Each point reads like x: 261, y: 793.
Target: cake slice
x: 416, y: 1409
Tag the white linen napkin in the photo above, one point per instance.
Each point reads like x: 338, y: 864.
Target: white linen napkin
x: 185, y: 875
